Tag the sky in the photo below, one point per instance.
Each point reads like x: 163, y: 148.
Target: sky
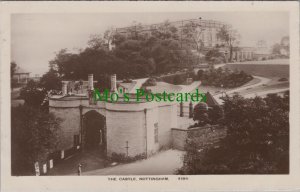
x: 35, y: 38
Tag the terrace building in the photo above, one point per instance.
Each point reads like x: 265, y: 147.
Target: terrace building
x: 21, y: 76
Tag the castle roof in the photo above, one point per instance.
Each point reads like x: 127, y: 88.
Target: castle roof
x: 210, y: 100
x: 163, y: 86
x: 20, y: 70
x: 132, y: 86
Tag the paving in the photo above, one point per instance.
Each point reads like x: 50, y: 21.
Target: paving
x: 163, y: 163
x: 90, y: 160
x: 93, y: 163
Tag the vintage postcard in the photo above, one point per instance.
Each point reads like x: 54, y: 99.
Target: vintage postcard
x: 155, y: 96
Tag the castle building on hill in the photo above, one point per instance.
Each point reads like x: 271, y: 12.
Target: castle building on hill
x: 206, y: 30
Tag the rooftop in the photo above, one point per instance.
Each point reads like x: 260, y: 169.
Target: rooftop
x: 20, y: 70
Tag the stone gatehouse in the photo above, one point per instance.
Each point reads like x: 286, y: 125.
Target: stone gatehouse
x: 130, y: 128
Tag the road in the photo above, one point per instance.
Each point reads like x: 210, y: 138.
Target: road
x: 263, y: 81
x: 263, y: 93
x: 163, y: 163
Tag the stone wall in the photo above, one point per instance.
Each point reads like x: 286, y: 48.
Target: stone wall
x: 207, y: 135
x: 125, y: 127
x: 167, y: 119
x: 134, y: 123
x: 152, y: 119
x: 70, y: 125
x: 179, y: 137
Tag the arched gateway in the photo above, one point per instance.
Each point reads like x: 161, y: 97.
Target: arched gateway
x: 94, y: 131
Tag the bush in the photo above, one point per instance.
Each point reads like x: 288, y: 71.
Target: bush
x: 214, y: 56
x: 34, y: 136
x: 33, y: 94
x: 127, y: 81
x: 256, y: 142
x: 283, y: 79
x: 150, y: 82
x: 225, y: 79
x: 178, y: 79
x: 122, y: 158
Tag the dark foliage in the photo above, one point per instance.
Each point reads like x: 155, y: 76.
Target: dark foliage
x: 34, y: 135
x: 135, y: 56
x: 257, y: 140
x: 13, y: 68
x: 215, y: 57
x: 212, y: 115
x: 122, y: 158
x: 223, y: 78
x: 51, y: 81
x: 33, y: 94
x: 150, y: 82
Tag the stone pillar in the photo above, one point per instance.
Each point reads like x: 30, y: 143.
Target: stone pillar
x: 191, y: 110
x: 181, y: 109
x: 64, y: 89
x: 113, y: 83
x: 81, y: 126
x: 90, y: 82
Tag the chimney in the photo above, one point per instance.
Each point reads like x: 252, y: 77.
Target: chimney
x: 64, y: 88
x: 113, y: 81
x: 91, y: 82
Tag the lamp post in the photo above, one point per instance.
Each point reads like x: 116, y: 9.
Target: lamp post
x: 222, y: 90
x: 199, y: 25
x: 226, y: 56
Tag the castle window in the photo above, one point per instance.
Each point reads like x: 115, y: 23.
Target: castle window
x: 76, y: 140
x: 155, y: 132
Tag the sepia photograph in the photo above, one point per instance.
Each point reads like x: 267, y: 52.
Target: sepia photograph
x: 238, y: 62
x: 145, y: 96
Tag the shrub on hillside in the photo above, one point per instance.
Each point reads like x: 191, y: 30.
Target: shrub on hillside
x: 150, y: 82
x: 122, y: 158
x: 223, y: 78
x: 257, y: 140
x: 34, y: 136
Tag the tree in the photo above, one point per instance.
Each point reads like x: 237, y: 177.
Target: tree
x: 99, y: 41
x: 223, y: 78
x: 165, y: 31
x: 257, y: 139
x: 34, y: 135
x: 200, y: 74
x: 214, y: 56
x: 192, y: 33
x: 285, y: 41
x: 136, y: 55
x: 230, y: 38
x: 51, y: 80
x: 13, y: 68
x: 96, y: 41
x: 282, y: 48
x: 216, y: 113
x: 201, y: 114
x: 33, y: 94
x: 276, y: 49
x: 178, y: 79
